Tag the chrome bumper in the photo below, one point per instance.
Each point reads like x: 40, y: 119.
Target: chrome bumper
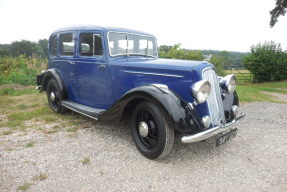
x: 210, y: 132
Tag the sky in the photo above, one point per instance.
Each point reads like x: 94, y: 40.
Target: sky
x: 229, y: 25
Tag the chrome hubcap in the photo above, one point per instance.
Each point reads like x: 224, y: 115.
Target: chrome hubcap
x: 143, y: 129
x: 52, y: 96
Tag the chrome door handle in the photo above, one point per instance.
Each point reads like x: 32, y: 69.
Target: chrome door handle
x: 72, y: 62
x: 101, y: 66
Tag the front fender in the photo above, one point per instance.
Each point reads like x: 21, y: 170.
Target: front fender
x: 185, y: 119
x: 229, y: 99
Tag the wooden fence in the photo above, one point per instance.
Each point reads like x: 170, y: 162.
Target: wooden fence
x: 242, y: 75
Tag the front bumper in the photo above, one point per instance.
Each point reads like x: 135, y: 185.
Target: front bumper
x: 210, y: 132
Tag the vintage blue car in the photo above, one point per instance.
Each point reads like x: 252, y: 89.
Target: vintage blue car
x: 111, y: 74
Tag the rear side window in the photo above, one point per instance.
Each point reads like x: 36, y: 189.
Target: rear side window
x: 67, y: 43
x: 90, y: 44
x: 53, y: 46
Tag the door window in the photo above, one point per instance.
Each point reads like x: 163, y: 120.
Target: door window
x: 91, y: 44
x: 67, y: 44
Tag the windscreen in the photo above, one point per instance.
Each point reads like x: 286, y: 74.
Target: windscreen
x: 131, y: 44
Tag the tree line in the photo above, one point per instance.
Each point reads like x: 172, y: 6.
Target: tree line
x: 266, y: 61
x: 26, y: 48
x: 220, y: 59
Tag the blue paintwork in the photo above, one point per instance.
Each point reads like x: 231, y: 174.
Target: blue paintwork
x: 100, y: 87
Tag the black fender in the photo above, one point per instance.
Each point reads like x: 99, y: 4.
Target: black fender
x: 185, y: 119
x: 49, y: 74
x: 229, y: 99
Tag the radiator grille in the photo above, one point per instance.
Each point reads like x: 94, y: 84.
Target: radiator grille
x: 214, y: 100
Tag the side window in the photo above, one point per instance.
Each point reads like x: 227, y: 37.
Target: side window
x: 90, y: 44
x: 67, y: 44
x: 53, y: 46
x: 98, y: 49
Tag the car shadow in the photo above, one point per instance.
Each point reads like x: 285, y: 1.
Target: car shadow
x: 180, y: 152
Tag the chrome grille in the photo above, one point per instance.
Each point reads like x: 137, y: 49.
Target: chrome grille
x: 214, y: 100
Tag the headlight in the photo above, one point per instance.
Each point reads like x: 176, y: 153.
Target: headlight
x: 201, y: 90
x: 230, y: 82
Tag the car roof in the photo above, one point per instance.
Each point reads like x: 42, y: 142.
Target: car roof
x: 95, y: 27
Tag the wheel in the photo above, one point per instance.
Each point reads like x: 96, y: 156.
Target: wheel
x: 55, y: 96
x: 152, y: 130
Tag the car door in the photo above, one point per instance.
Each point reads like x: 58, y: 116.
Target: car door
x: 65, y: 63
x: 94, y: 82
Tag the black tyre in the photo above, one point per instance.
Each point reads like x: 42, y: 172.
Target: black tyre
x: 55, y: 96
x: 152, y: 130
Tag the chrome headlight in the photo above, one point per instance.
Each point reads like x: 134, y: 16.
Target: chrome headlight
x: 230, y: 82
x: 201, y: 90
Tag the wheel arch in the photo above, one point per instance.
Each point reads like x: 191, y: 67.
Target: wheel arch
x: 173, y: 105
x: 53, y: 73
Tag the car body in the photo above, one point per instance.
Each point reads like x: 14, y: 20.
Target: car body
x: 112, y: 73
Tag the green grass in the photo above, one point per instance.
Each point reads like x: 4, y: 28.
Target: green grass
x: 22, y: 106
x: 253, y: 92
x: 277, y: 84
x: 72, y: 129
x: 249, y: 94
x: 29, y: 145
x: 14, y: 92
x: 25, y: 110
x: 24, y: 187
x: 86, y: 160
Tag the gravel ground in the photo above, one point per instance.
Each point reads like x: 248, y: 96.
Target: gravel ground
x: 104, y: 158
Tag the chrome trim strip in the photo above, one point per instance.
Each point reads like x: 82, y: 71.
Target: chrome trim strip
x: 61, y: 60
x: 93, y: 62
x: 79, y: 112
x: 210, y: 132
x: 157, y: 74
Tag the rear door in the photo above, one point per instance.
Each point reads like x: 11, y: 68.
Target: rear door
x: 94, y: 81
x: 65, y: 61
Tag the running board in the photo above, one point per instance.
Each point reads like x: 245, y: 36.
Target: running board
x: 83, y: 109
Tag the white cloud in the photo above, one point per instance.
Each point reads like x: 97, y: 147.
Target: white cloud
x: 207, y: 24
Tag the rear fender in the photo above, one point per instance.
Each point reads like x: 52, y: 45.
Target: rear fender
x: 49, y: 74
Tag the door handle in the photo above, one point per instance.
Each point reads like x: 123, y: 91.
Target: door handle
x: 101, y: 66
x: 72, y: 62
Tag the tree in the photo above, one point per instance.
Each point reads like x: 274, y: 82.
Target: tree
x: 279, y: 9
x: 175, y: 52
x: 4, y: 50
x: 26, y: 48
x: 267, y: 62
x: 218, y: 62
x: 43, y: 43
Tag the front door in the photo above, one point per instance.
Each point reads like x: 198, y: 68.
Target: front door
x: 94, y: 81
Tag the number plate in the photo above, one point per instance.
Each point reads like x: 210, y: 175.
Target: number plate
x: 226, y: 137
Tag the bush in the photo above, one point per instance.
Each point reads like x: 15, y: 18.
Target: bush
x: 21, y: 70
x: 267, y: 62
x: 218, y: 62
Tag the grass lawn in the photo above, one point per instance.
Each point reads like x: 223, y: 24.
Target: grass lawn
x: 253, y: 92
x: 23, y: 108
